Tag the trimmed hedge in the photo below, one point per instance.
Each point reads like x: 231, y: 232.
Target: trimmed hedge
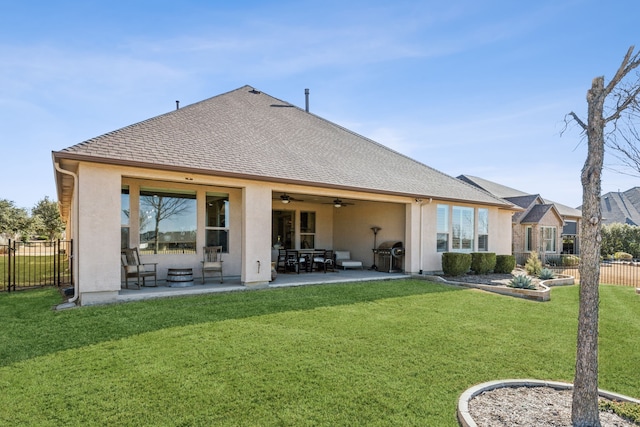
x: 505, y: 264
x: 455, y: 263
x: 483, y: 262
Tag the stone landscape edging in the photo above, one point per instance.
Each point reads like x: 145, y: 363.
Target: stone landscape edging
x: 465, y: 419
x: 543, y: 294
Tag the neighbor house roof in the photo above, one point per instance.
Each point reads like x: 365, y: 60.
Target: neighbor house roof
x: 622, y: 207
x: 536, y: 213
x: 509, y: 193
x: 247, y: 133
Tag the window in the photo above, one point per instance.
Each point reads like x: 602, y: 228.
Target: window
x: 217, y: 222
x: 307, y: 230
x: 483, y: 229
x: 124, y: 218
x: 462, y: 229
x: 548, y: 238
x: 167, y: 221
x: 443, y: 228
x: 528, y: 239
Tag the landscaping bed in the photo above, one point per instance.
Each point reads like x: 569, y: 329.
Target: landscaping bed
x: 499, y: 283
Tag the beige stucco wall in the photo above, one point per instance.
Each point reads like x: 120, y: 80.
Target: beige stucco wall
x: 352, y: 227
x: 98, y: 239
x: 251, y: 205
x: 499, y: 232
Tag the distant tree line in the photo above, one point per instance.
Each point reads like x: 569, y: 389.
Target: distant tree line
x: 618, y: 237
x: 43, y: 222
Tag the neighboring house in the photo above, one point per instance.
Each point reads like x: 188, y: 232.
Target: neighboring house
x: 221, y: 171
x: 543, y: 226
x: 622, y: 207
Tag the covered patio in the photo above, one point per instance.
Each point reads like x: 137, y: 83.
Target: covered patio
x: 233, y: 284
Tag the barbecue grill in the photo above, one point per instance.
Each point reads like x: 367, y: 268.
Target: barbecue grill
x: 390, y: 256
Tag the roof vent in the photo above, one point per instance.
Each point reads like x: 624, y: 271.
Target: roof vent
x: 306, y: 100
x: 254, y: 91
x: 177, y: 105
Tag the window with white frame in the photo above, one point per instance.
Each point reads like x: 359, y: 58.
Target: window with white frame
x: 548, y: 239
x: 217, y: 220
x: 443, y: 228
x: 462, y: 229
x: 483, y: 229
x: 528, y: 239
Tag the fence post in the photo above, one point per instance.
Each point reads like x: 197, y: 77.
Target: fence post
x: 9, y: 266
x: 56, y: 263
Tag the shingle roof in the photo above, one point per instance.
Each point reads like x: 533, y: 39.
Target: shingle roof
x: 494, y: 188
x: 523, y: 201
x: 536, y: 214
x: 250, y: 134
x: 622, y: 207
x: 509, y: 193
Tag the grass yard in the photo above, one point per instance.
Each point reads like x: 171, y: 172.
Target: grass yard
x: 372, y: 354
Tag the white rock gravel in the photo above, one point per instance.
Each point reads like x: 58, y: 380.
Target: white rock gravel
x: 530, y: 406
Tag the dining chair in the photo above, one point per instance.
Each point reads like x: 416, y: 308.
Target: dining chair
x: 326, y: 260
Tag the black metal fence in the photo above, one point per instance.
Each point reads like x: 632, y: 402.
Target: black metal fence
x: 35, y: 264
x: 623, y: 273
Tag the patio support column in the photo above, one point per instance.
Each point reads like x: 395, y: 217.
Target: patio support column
x: 256, y: 235
x: 414, y: 237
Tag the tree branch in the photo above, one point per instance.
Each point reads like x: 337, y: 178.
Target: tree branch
x: 577, y: 119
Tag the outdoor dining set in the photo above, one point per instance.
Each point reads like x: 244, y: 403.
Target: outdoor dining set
x: 309, y: 260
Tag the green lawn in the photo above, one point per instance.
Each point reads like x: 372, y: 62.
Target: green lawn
x: 371, y: 354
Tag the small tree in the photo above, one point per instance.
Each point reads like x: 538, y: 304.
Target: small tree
x: 614, y: 105
x: 47, y: 218
x: 14, y: 221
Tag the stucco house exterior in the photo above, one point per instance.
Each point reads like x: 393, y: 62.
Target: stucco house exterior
x: 218, y: 172
x: 544, y: 226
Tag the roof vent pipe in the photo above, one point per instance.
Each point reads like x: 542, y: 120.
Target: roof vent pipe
x: 306, y: 100
x: 177, y: 105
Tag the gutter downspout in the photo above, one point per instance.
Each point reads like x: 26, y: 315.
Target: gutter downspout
x: 74, y: 213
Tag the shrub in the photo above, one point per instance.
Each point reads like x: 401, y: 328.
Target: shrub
x: 483, y: 262
x: 505, y: 264
x: 623, y: 256
x: 533, y: 264
x: 455, y: 264
x: 570, y: 260
x: 521, y: 282
x: 546, y: 274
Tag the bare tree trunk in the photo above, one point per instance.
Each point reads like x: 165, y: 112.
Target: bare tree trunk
x: 585, y: 411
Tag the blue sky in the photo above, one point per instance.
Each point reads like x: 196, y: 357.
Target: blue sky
x: 465, y: 86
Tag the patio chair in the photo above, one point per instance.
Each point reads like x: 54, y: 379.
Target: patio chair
x: 281, y: 261
x: 326, y: 260
x: 133, y: 268
x: 212, y: 261
x: 343, y: 259
x: 293, y: 261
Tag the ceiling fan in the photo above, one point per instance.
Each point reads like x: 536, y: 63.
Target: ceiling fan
x: 285, y: 198
x: 338, y: 203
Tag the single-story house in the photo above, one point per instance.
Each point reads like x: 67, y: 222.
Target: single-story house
x: 250, y: 172
x: 544, y: 226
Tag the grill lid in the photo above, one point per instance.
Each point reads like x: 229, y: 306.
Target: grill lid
x: 390, y: 244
